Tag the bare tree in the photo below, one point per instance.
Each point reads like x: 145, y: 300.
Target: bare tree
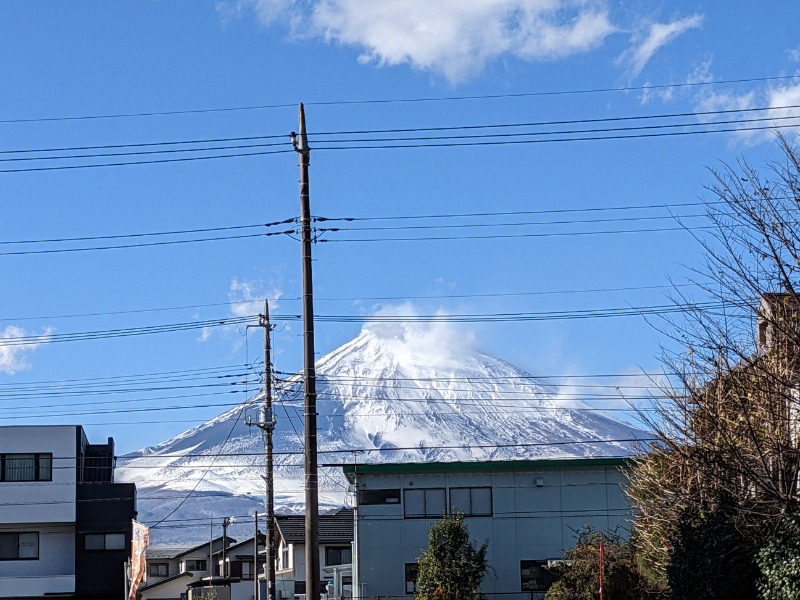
x: 729, y: 424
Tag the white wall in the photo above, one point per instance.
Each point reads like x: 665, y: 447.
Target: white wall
x: 54, y: 571
x: 41, y: 501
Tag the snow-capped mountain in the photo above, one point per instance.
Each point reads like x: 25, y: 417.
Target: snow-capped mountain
x: 396, y: 393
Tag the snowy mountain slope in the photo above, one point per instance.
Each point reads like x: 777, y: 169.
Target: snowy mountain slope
x: 395, y: 393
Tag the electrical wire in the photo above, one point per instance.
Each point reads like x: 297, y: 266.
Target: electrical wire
x: 541, y: 93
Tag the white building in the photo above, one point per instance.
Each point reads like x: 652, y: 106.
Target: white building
x: 60, y: 510
x: 528, y: 511
x: 171, y: 570
x: 335, y: 552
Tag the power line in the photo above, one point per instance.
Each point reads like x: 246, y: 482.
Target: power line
x: 25, y: 340
x: 436, y: 141
x: 541, y: 93
x: 145, y: 244
x: 353, y: 299
x: 381, y: 318
x: 504, y: 142
x: 624, y: 118
x: 624, y: 207
x: 148, y: 234
x: 509, y: 236
x: 144, y: 162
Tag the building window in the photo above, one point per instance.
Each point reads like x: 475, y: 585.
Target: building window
x: 366, y: 497
x: 19, y: 546
x: 536, y: 577
x: 195, y: 565
x: 285, y: 557
x: 26, y: 467
x: 104, y: 541
x: 247, y: 570
x: 412, y: 571
x: 158, y: 569
x: 424, y: 503
x: 338, y: 555
x: 473, y: 502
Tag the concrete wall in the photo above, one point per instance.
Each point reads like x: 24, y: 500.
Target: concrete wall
x: 535, y: 514
x: 41, y: 501
x: 54, y: 570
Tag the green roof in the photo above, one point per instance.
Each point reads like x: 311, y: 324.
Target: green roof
x: 491, y: 465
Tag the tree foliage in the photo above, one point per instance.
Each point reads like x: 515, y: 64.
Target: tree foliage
x: 577, y: 578
x: 728, y: 457
x: 779, y: 562
x: 710, y: 558
x: 452, y: 567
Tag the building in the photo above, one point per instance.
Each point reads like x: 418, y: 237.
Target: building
x: 335, y: 551
x: 65, y: 526
x: 171, y: 570
x: 239, y: 560
x: 528, y: 511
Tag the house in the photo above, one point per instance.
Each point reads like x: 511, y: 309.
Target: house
x: 65, y: 526
x: 335, y: 551
x: 528, y: 511
x: 239, y: 560
x: 171, y: 570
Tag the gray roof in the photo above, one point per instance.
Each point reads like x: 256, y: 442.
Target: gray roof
x: 167, y: 580
x: 165, y: 552
x: 334, y: 528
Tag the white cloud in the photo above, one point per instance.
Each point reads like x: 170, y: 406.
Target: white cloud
x: 14, y: 355
x: 245, y: 298
x: 779, y: 99
x: 655, y: 37
x: 701, y: 73
x: 434, y: 343
x: 454, y: 38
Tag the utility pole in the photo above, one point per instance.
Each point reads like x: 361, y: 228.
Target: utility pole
x: 225, y: 522
x: 255, y: 556
x: 300, y: 143
x: 266, y: 422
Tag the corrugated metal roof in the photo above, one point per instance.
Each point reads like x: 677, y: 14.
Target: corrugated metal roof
x: 334, y: 528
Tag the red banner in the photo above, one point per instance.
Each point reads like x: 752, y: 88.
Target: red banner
x: 139, y: 541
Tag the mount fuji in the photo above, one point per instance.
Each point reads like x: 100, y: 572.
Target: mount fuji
x: 395, y: 393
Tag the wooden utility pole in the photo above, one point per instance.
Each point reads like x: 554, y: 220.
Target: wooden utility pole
x: 255, y: 556
x: 300, y: 142
x: 266, y: 422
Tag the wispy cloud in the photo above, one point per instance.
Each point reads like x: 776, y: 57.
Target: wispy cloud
x: 653, y: 38
x: 779, y: 114
x: 14, y: 353
x: 434, y: 343
x: 245, y: 298
x: 453, y: 38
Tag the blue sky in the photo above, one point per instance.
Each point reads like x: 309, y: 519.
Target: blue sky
x: 110, y: 76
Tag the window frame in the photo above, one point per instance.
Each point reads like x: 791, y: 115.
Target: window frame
x: 196, y: 562
x: 340, y: 549
x: 541, y: 564
x: 150, y: 569
x: 42, y: 468
x: 105, y: 535
x: 471, y: 512
x: 428, y: 513
x: 411, y: 575
x: 19, y: 543
x: 285, y: 557
x: 381, y: 497
x: 247, y: 570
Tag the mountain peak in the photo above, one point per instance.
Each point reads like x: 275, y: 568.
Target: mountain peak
x: 396, y: 393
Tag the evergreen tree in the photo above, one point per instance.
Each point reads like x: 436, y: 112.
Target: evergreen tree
x: 452, y: 567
